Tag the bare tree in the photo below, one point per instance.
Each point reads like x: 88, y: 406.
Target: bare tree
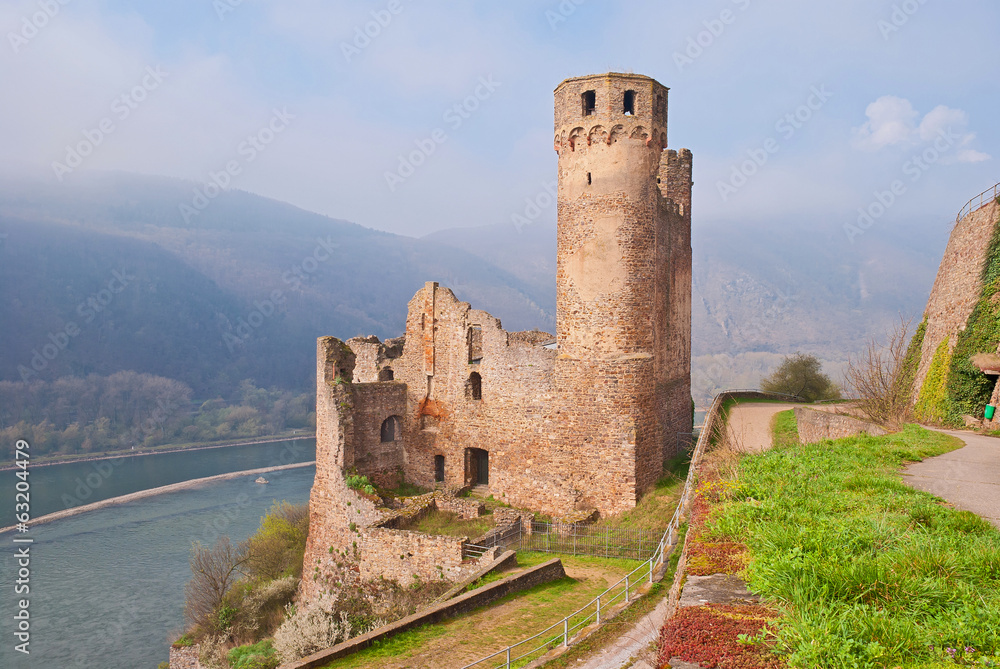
x: 213, y: 572
x: 878, y: 376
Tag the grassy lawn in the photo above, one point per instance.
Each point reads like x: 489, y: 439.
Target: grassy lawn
x: 449, y: 524
x: 471, y: 636
x: 867, y: 571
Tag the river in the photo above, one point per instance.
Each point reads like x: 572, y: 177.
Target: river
x: 107, y: 586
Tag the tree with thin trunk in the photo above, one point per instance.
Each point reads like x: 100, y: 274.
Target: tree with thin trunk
x: 879, y: 377
x: 213, y: 571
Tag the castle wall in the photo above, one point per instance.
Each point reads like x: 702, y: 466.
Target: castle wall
x: 957, y: 286
x: 373, y: 403
x: 580, y: 423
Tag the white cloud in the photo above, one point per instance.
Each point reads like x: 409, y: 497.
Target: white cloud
x: 892, y: 121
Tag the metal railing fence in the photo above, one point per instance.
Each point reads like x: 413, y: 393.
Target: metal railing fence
x: 978, y: 202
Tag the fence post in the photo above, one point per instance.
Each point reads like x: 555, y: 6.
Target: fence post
x: 508, y: 657
x: 626, y: 588
x: 598, y: 609
x: 565, y: 632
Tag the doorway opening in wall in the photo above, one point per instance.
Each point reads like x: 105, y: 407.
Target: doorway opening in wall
x: 477, y: 467
x: 439, y: 469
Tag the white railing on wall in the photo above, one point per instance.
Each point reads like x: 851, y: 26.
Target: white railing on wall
x: 978, y: 202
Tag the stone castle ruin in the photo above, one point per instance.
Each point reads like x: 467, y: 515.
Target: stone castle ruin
x: 575, y: 423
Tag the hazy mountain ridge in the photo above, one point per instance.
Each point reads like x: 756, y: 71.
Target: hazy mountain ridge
x: 202, y: 285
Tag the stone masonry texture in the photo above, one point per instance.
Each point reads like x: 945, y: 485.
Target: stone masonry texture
x: 567, y: 424
x: 957, y: 286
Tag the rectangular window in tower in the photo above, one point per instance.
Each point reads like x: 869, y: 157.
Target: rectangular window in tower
x: 629, y: 103
x: 589, y: 102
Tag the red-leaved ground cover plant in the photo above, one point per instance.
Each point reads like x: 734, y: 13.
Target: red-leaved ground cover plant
x: 711, y: 634
x: 726, y: 636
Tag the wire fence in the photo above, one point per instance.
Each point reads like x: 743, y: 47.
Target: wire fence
x: 605, y: 542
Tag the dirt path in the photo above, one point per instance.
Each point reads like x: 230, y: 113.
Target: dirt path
x: 969, y: 477
x: 750, y: 424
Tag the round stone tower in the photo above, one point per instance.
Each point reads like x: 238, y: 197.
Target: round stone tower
x: 610, y: 133
x: 623, y: 269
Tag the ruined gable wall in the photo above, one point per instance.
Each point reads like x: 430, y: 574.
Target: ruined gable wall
x: 511, y: 421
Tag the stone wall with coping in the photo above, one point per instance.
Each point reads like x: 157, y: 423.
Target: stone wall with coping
x: 817, y: 426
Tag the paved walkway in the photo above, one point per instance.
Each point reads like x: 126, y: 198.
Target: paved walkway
x: 969, y: 477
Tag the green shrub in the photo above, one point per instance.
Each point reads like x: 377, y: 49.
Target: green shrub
x: 912, y: 359
x: 931, y: 404
x: 359, y: 482
x: 260, y: 655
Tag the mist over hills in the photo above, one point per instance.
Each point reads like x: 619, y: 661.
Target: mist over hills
x: 243, y: 288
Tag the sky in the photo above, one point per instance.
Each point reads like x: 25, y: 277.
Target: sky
x: 413, y: 116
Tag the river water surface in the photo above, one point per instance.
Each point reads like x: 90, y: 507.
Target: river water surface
x: 107, y: 586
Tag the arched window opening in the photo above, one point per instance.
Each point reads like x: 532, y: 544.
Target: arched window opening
x: 391, y: 429
x: 386, y: 374
x: 475, y: 386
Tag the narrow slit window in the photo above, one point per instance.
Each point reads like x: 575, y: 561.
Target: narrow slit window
x: 589, y: 102
x: 475, y: 386
x: 590, y: 179
x: 629, y: 103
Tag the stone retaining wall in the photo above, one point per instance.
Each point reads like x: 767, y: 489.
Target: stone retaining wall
x: 819, y: 425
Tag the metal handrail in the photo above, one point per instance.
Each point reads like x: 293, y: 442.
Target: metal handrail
x: 995, y: 193
x: 665, y: 547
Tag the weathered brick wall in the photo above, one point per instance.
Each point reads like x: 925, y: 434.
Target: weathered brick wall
x: 957, y: 287
x: 374, y: 403
x: 816, y: 426
x: 401, y: 555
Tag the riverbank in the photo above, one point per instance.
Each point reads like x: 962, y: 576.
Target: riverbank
x: 159, y: 450
x: 173, y: 487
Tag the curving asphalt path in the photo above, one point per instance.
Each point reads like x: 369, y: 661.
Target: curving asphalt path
x: 968, y: 478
